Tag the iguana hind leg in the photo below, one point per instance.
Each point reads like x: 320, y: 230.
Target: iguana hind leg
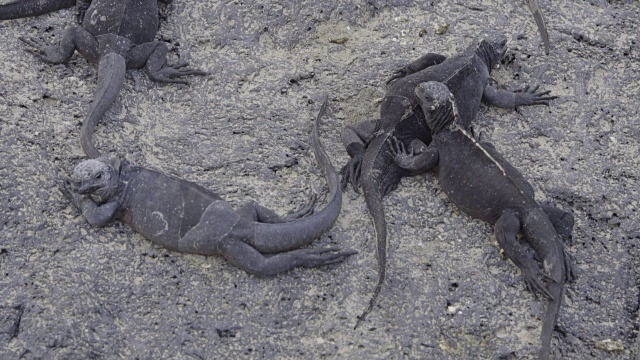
x: 354, y: 138
x: 247, y: 258
x: 506, y: 233
x: 420, y: 64
x: 563, y: 223
x: 153, y: 57
x: 253, y: 211
x: 73, y: 39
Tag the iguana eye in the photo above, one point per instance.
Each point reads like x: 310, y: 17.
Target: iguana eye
x: 98, y: 176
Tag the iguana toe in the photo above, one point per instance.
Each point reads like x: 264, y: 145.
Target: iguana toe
x: 325, y: 256
x: 398, y: 74
x: 305, y: 210
x: 534, y: 284
x: 351, y: 174
x: 570, y: 273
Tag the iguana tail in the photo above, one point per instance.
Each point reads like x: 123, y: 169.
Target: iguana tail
x: 111, y: 72
x: 313, y: 226
x: 550, y: 319
x: 26, y: 8
x: 539, y: 231
x: 372, y: 178
x: 534, y: 7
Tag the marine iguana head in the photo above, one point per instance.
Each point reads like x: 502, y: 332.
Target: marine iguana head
x: 96, y: 178
x: 437, y: 104
x: 491, y: 47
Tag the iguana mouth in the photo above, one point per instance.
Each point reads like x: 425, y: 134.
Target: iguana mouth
x: 84, y: 189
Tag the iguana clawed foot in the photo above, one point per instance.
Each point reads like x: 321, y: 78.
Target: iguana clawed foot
x: 532, y: 278
x: 531, y: 96
x: 304, y: 211
x: 398, y: 74
x: 402, y: 156
x: 44, y: 52
x: 321, y: 257
x: 168, y: 73
x: 351, y: 173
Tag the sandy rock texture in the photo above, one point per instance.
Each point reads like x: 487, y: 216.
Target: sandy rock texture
x: 69, y: 291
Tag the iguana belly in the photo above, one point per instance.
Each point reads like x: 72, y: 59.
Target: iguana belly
x: 163, y: 208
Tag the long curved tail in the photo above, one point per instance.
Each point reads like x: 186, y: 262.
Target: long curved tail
x: 26, y: 8
x: 111, y: 72
x: 371, y: 186
x: 534, y: 7
x: 313, y: 226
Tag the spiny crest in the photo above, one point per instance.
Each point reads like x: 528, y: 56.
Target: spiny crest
x: 89, y: 168
x: 491, y: 46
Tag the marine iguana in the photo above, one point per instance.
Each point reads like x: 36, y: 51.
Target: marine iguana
x: 117, y: 35
x: 467, y: 76
x: 191, y: 219
x: 484, y: 185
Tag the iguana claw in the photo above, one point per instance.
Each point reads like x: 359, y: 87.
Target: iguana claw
x: 534, y: 284
x: 167, y: 73
x: 44, y: 52
x: 351, y: 173
x: 321, y: 257
x: 305, y: 210
x: 531, y: 96
x: 402, y: 156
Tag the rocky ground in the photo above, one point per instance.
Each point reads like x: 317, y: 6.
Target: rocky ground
x: 69, y: 291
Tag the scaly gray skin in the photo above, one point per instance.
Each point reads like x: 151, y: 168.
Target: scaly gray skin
x: 189, y: 218
x: 467, y: 75
x: 484, y: 185
x: 534, y: 7
x: 27, y: 8
x: 117, y: 35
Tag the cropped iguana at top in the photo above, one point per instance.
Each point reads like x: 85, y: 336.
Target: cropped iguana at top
x: 25, y: 8
x: 191, y: 219
x: 484, y: 185
x: 467, y: 76
x: 117, y: 35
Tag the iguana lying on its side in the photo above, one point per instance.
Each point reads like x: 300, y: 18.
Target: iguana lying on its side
x: 191, y: 219
x: 484, y: 185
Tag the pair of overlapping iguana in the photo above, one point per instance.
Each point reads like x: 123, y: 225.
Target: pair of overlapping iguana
x: 432, y: 97
x: 424, y: 123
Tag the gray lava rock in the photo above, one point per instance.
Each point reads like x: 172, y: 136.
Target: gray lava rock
x: 71, y: 291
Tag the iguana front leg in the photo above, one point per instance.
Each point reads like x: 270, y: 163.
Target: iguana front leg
x: 96, y: 215
x: 419, y: 158
x: 522, y: 97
